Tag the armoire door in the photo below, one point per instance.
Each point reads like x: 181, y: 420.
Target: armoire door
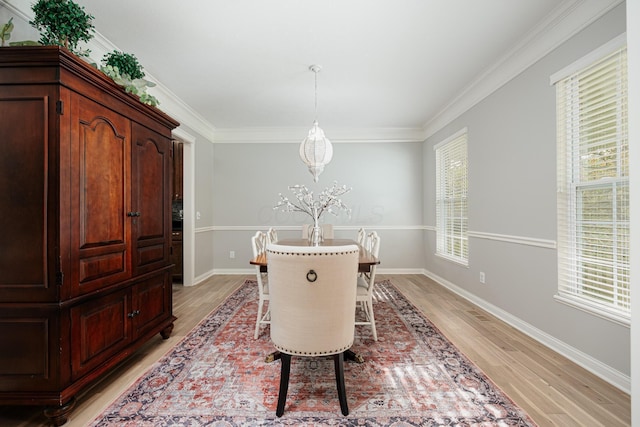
x: 150, y: 199
x: 100, y: 196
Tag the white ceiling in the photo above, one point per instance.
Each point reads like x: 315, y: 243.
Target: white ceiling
x: 385, y: 63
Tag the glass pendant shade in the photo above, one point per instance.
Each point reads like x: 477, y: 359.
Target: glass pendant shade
x: 316, y: 151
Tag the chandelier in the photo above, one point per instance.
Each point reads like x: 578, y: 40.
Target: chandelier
x: 316, y: 150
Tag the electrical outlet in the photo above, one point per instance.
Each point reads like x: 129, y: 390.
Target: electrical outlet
x: 232, y: 254
x: 482, y: 277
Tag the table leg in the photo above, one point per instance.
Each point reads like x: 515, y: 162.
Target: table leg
x: 353, y: 356
x: 272, y: 357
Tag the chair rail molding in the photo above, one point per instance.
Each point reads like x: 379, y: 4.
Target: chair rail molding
x: 529, y: 241
x: 520, y: 240
x: 297, y: 227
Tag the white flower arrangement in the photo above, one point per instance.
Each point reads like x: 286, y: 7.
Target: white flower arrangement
x: 328, y: 201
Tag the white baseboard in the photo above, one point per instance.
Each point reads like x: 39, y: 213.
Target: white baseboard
x: 201, y: 278
x: 233, y: 271
x: 601, y: 370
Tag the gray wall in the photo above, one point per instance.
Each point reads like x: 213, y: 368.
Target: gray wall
x: 386, y: 195
x: 204, y: 202
x: 512, y: 196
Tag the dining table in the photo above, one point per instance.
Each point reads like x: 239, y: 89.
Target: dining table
x: 365, y: 261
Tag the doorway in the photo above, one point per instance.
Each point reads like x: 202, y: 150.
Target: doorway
x: 188, y: 205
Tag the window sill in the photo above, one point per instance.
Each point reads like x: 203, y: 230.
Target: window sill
x: 458, y: 261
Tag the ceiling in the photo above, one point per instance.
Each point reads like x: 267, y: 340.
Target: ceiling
x: 385, y: 63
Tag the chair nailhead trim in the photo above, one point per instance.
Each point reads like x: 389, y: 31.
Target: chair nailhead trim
x: 312, y: 254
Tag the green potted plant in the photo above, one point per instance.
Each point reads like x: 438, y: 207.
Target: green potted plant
x: 125, y: 70
x: 62, y: 23
x: 127, y: 64
x: 5, y: 35
x: 5, y: 32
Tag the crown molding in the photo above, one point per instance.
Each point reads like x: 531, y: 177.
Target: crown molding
x: 271, y: 135
x: 170, y: 103
x: 178, y: 109
x: 21, y: 9
x: 570, y: 17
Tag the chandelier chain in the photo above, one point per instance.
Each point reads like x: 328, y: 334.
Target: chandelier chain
x: 315, y: 71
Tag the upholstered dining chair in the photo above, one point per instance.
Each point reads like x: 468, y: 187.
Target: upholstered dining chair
x: 366, y: 282
x: 313, y: 301
x: 327, y: 230
x: 259, y: 245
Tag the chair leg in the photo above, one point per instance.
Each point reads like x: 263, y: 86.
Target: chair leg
x: 284, y: 382
x: 338, y: 362
x: 258, y: 319
x: 372, y: 320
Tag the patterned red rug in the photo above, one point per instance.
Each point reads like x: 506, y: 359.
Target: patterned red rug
x: 217, y: 376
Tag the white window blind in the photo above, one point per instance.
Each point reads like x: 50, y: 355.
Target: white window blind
x: 593, y: 187
x: 451, y: 198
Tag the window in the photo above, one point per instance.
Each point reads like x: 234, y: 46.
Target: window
x: 451, y: 198
x: 593, y: 184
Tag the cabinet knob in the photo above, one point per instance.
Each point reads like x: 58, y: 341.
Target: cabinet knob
x: 133, y: 213
x: 133, y: 314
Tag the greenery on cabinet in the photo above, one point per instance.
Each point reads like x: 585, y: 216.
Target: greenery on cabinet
x: 5, y: 32
x: 127, y: 64
x: 62, y: 23
x: 65, y: 23
x: 125, y: 70
x: 5, y: 35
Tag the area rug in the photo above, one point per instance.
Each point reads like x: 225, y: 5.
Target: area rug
x: 217, y: 376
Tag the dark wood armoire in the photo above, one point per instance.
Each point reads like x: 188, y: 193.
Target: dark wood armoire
x: 85, y: 204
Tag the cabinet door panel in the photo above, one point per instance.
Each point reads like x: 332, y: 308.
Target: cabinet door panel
x: 151, y: 198
x: 100, y: 196
x: 27, y: 152
x: 99, y: 329
x: 151, y: 300
x: 29, y: 351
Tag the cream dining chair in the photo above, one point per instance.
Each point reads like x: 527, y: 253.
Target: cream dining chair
x: 259, y: 245
x: 366, y: 282
x: 313, y: 301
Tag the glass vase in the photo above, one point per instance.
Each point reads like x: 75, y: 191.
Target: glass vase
x: 315, y: 234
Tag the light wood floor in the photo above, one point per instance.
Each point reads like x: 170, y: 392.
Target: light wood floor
x: 553, y: 390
